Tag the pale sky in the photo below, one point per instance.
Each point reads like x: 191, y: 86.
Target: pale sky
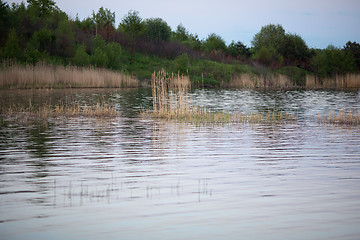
x: 318, y: 22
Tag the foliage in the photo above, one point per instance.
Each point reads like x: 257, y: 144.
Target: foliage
x: 353, y: 48
x: 270, y: 36
x: 81, y: 58
x: 181, y: 33
x: 12, y: 49
x: 296, y: 74
x: 104, y: 21
x: 182, y: 64
x: 157, y: 30
x: 268, y: 56
x: 214, y: 43
x: 238, y: 50
x: 332, y: 61
x: 42, y: 7
x: 294, y: 50
x: 132, y: 24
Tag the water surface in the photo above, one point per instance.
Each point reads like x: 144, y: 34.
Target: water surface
x: 134, y: 178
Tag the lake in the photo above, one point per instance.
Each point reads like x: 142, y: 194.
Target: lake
x: 131, y: 177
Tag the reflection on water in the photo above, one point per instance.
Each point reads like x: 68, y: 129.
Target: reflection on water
x: 134, y: 178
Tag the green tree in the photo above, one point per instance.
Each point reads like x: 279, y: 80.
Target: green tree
x: 157, y: 30
x: 132, y: 25
x: 332, y: 61
x: 268, y: 56
x: 238, y: 50
x: 81, y: 58
x: 103, y: 18
x: 65, y: 39
x: 294, y: 50
x: 98, y: 42
x: 182, y: 64
x: 42, y: 7
x: 99, y: 59
x: 43, y: 40
x: 353, y: 48
x: 4, y: 21
x: 114, y: 53
x: 193, y: 42
x: 214, y: 42
x: 270, y: 36
x: 181, y: 33
x: 12, y: 49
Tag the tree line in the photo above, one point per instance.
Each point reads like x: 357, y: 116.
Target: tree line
x: 40, y: 31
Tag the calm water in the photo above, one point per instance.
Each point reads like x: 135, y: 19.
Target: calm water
x: 135, y: 178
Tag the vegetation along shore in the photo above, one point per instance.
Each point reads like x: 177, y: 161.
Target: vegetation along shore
x: 42, y: 47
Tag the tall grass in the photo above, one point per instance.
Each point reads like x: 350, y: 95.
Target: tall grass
x: 43, y: 75
x: 347, y: 81
x: 277, y: 80
x: 169, y: 93
x: 61, y: 110
x: 341, y: 117
x: 171, y: 101
x: 246, y: 80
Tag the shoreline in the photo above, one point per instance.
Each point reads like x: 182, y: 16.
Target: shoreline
x: 47, y: 76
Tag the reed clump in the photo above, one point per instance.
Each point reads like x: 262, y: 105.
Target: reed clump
x: 342, y: 117
x: 61, y: 110
x: 44, y: 75
x: 171, y: 101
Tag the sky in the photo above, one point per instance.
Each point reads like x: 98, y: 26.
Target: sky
x: 319, y: 22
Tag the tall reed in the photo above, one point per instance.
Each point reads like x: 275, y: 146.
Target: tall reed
x: 60, y: 110
x: 341, y: 117
x: 44, y: 75
x: 169, y: 93
x: 171, y: 101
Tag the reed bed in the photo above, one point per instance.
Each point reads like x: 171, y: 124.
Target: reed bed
x: 171, y: 101
x: 341, y: 117
x: 43, y: 75
x: 60, y: 110
x: 260, y: 81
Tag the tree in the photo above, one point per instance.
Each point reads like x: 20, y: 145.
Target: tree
x: 65, y: 39
x: 81, y: 58
x: 4, y: 21
x: 294, y: 50
x: 354, y: 49
x: 269, y: 36
x: 268, y: 56
x: 181, y: 33
x: 42, y: 7
x: 132, y: 25
x: 12, y: 49
x: 99, y: 59
x: 332, y: 61
x: 157, y: 30
x: 214, y: 42
x: 114, y: 53
x: 182, y: 64
x: 238, y: 50
x: 103, y: 18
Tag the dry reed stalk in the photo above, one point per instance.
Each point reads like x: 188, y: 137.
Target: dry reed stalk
x: 341, y: 117
x: 60, y: 110
x: 170, y: 101
x: 242, y: 81
x: 43, y: 75
x: 252, y: 81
